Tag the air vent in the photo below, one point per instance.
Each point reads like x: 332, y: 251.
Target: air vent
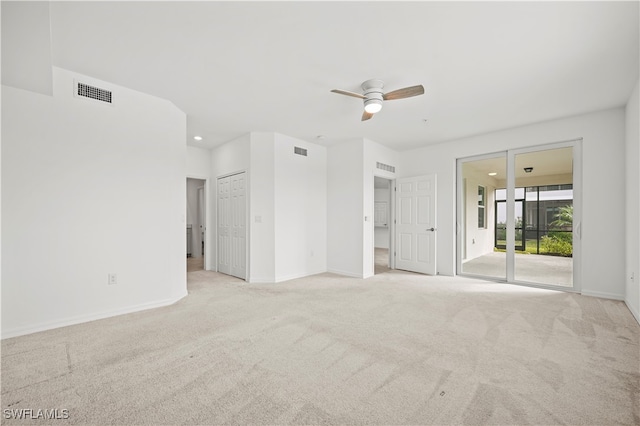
x: 386, y: 167
x: 299, y: 151
x: 92, y: 92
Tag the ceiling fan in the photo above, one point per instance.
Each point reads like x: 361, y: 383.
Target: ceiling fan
x: 373, y: 96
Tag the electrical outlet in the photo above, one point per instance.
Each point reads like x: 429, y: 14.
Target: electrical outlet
x: 113, y: 279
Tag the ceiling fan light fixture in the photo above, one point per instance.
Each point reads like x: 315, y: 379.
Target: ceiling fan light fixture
x: 372, y: 105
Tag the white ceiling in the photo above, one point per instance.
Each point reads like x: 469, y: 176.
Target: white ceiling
x: 236, y: 67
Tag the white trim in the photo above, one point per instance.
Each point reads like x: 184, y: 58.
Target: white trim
x: 391, y: 217
x: 21, y: 331
x: 635, y: 313
x: 603, y: 295
x: 511, y: 216
x: 258, y: 280
x: 207, y: 221
x: 347, y: 274
x: 289, y: 277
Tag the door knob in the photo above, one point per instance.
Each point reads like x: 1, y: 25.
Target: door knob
x: 431, y: 229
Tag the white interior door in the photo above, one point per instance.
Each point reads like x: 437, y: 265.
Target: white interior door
x: 224, y: 225
x: 416, y: 224
x: 238, y: 198
x: 232, y: 226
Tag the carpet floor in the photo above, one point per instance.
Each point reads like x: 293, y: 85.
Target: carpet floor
x: 397, y: 348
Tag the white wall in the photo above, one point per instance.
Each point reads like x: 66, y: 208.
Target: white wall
x: 345, y: 210
x: 287, y: 204
x: 262, y: 234
x: 603, y: 154
x: 198, y: 162
x: 351, y: 168
x: 300, y: 209
x: 26, y: 46
x: 89, y: 189
x: 632, y: 228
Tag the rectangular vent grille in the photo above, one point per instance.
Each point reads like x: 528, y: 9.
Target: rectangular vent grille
x: 299, y: 151
x: 92, y: 92
x: 385, y: 167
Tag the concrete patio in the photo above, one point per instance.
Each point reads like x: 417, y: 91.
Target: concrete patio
x: 533, y: 268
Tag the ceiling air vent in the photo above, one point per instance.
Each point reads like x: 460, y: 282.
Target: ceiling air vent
x: 299, y: 151
x: 385, y: 167
x: 85, y: 91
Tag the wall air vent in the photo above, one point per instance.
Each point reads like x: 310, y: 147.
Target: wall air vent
x: 299, y: 151
x: 385, y: 167
x: 86, y: 91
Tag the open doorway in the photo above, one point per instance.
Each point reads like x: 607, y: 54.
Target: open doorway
x: 382, y: 224
x: 196, y: 224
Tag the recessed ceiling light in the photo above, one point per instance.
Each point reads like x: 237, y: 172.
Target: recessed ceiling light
x: 492, y: 174
x: 198, y: 138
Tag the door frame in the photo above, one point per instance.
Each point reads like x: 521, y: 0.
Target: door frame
x: 392, y: 221
x: 207, y: 217
x: 510, y: 156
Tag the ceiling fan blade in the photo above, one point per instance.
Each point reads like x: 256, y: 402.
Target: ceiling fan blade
x: 407, y: 92
x: 366, y: 115
x: 344, y: 92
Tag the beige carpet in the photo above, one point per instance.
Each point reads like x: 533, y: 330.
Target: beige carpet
x: 398, y: 348
x: 381, y: 259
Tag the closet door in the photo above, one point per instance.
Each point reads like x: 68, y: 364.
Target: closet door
x: 232, y: 226
x: 238, y: 226
x: 224, y: 228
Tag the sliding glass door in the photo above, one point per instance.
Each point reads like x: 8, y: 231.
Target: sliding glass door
x: 518, y: 215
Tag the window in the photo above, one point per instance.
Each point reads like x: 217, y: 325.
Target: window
x: 481, y: 208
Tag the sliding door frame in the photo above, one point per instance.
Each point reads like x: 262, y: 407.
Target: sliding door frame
x: 510, y: 154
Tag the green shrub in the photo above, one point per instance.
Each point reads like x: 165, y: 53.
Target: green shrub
x: 559, y: 245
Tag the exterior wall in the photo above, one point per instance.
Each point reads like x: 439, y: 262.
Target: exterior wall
x: 478, y: 241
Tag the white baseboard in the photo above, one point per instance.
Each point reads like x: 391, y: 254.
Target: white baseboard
x: 635, y: 313
x: 50, y: 325
x: 345, y: 273
x: 602, y: 294
x: 260, y: 280
x: 296, y: 276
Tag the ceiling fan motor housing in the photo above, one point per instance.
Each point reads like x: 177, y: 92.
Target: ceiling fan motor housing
x: 372, y: 90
